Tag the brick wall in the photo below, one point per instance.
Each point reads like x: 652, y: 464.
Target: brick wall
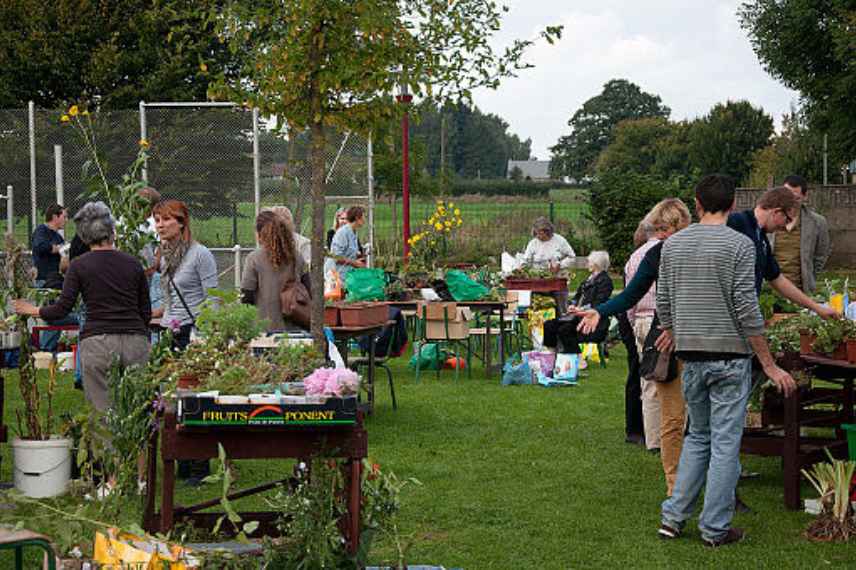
x: 838, y: 204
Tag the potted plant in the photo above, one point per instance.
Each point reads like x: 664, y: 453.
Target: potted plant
x: 836, y: 521
x: 830, y: 337
x: 42, y: 459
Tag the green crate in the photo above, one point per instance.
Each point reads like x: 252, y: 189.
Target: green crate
x: 851, y: 439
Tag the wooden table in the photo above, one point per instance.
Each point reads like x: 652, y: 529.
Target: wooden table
x: 800, y: 410
x: 343, y: 335
x: 269, y: 442
x: 481, y: 307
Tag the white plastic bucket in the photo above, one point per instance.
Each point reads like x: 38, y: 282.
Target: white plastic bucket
x: 42, y: 467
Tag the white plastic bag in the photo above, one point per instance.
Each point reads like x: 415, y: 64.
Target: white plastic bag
x: 334, y: 355
x: 429, y: 294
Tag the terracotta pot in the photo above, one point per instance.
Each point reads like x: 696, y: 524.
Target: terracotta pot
x: 851, y: 350
x: 807, y: 343
x: 363, y: 314
x: 331, y: 316
x: 188, y: 382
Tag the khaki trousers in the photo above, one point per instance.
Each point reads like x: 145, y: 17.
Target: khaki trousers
x: 97, y: 353
x: 673, y: 421
x: 650, y: 403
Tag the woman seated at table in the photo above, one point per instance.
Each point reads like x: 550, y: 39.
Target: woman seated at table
x: 550, y: 251
x: 596, y: 289
x: 269, y: 267
x: 116, y: 293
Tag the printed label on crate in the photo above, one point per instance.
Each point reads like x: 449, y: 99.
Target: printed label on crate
x: 207, y: 412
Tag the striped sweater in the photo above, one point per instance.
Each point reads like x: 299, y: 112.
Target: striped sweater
x: 706, y: 290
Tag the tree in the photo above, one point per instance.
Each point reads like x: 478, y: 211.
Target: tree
x: 796, y: 150
x: 808, y: 45
x: 726, y: 139
x: 320, y: 63
x: 114, y: 53
x: 516, y: 174
x: 654, y: 146
x: 592, y: 126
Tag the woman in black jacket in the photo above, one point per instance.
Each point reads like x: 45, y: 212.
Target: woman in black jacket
x: 592, y: 292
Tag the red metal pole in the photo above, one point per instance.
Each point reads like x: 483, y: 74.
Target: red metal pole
x: 405, y: 171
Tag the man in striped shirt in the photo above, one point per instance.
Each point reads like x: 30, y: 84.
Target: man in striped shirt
x: 709, y: 313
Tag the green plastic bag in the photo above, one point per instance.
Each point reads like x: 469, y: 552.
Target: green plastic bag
x: 463, y: 288
x: 429, y: 358
x: 365, y: 284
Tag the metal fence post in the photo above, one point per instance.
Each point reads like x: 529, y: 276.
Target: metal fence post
x: 237, y: 250
x: 144, y: 137
x: 257, y: 193
x: 370, y: 169
x: 10, y: 209
x: 32, y: 123
x: 58, y: 177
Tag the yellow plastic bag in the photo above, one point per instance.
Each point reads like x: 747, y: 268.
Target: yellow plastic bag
x: 590, y: 352
x: 128, y: 552
x: 536, y: 325
x: 837, y: 302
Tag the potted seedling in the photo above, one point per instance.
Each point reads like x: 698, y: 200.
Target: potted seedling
x: 42, y: 459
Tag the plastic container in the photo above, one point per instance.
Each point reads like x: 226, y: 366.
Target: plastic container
x: 42, y: 467
x: 43, y: 360
x: 850, y: 429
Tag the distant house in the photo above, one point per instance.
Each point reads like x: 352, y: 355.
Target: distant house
x: 535, y: 170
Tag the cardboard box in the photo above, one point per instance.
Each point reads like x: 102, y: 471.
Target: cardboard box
x: 459, y: 326
x: 434, y: 311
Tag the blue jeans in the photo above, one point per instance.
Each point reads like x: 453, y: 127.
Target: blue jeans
x: 716, y: 393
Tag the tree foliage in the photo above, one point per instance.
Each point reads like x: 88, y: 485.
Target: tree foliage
x: 592, y: 126
x: 796, y: 150
x: 619, y: 200
x: 327, y: 63
x: 115, y: 52
x: 654, y: 146
x: 809, y: 46
x: 726, y: 139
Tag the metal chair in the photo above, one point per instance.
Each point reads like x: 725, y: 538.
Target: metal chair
x: 18, y: 539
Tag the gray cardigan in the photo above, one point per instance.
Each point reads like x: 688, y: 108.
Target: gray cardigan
x: 815, y: 246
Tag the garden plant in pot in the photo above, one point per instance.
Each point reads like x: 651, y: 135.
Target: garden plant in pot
x: 835, y: 339
x: 42, y: 460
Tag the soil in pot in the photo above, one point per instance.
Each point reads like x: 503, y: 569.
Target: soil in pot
x: 188, y: 382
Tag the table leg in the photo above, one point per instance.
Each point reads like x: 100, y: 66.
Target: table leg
x: 791, y: 451
x: 371, y: 373
x: 488, y: 358
x: 501, y: 336
x: 354, y: 497
x: 167, y: 495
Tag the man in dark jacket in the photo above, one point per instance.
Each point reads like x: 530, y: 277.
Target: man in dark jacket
x: 47, y: 244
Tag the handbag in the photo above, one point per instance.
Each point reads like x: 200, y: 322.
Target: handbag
x: 296, y: 303
x: 656, y: 366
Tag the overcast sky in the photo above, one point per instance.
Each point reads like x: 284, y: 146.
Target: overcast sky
x: 692, y: 53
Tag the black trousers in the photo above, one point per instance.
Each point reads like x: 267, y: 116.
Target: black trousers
x: 633, y: 422
x: 556, y: 331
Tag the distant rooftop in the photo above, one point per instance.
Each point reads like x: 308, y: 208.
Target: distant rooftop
x: 532, y: 169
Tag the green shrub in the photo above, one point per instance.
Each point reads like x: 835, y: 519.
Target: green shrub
x: 619, y: 200
x: 503, y: 187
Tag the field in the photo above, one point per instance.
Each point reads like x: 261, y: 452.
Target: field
x: 527, y: 477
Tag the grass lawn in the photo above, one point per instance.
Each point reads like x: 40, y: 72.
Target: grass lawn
x: 527, y: 477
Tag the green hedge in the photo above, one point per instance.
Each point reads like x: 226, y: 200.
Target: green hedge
x: 503, y: 187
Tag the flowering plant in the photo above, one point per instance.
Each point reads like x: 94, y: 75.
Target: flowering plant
x: 430, y: 242
x: 332, y: 382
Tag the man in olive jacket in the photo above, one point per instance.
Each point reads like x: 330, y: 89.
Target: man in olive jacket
x: 803, y: 246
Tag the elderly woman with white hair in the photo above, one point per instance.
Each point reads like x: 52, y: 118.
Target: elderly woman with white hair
x: 114, y: 287
x: 596, y: 289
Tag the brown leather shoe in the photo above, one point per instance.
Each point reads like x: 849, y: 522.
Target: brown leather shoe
x: 733, y: 536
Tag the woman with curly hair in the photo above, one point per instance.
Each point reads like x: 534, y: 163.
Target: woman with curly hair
x: 270, y: 267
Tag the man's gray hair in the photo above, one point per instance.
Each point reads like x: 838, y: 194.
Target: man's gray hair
x: 599, y: 260
x: 95, y: 223
x: 543, y: 224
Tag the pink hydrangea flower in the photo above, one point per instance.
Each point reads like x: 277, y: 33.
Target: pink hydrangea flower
x: 332, y: 382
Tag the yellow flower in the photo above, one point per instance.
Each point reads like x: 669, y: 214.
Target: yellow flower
x: 448, y: 224
x: 451, y: 204
x: 65, y: 119
x: 457, y: 212
x: 442, y: 211
x: 460, y: 222
x: 202, y: 67
x: 73, y: 110
x: 144, y: 143
x: 448, y: 228
x: 85, y: 113
x: 438, y: 226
